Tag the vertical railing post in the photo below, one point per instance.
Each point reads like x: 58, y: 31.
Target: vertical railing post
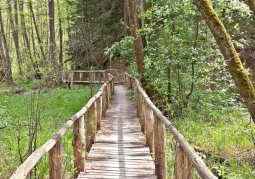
x: 79, y: 146
x: 139, y: 105
x: 183, y: 168
x: 112, y: 86
x: 142, y: 115
x: 160, y: 149
x: 136, y: 95
x: 99, y: 111
x: 91, y: 127
x: 108, y: 95
x: 104, y: 102
x: 71, y: 76
x: 81, y: 76
x: 149, y: 120
x: 57, y: 162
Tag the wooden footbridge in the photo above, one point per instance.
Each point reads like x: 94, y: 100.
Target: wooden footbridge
x: 121, y: 137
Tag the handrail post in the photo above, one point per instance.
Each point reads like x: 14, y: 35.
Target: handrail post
x: 91, y: 127
x: 142, y: 115
x: 104, y: 103
x: 149, y: 120
x: 99, y: 112
x: 183, y: 168
x: 109, y: 92
x: 160, y: 149
x: 57, y: 162
x: 79, y: 146
x: 112, y: 86
x: 70, y: 76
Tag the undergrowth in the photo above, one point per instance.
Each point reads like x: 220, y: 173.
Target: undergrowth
x: 45, y: 111
x: 219, y: 125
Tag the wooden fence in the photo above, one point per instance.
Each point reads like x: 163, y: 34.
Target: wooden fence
x: 153, y: 124
x: 91, y: 76
x: 96, y: 109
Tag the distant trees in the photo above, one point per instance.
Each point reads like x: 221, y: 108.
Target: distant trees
x: 31, y: 49
x: 95, y: 25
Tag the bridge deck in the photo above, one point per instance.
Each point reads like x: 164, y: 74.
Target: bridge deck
x: 119, y: 150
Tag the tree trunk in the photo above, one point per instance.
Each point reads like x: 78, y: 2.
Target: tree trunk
x: 15, y: 34
x: 138, y: 45
x: 37, y: 31
x: 26, y: 41
x: 52, y: 50
x: 232, y: 59
x: 7, y: 63
x: 60, y: 36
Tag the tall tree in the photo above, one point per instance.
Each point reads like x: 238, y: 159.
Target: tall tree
x: 26, y: 40
x: 15, y: 33
x: 60, y: 30
x: 37, y: 30
x: 52, y: 50
x: 7, y: 63
x: 138, y: 45
x: 231, y: 57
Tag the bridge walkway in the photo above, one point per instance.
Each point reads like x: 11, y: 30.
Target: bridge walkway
x: 119, y: 150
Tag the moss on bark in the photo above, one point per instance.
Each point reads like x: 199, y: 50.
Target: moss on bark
x: 232, y: 59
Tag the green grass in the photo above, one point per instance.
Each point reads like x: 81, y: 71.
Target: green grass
x: 221, y: 126
x: 18, y: 112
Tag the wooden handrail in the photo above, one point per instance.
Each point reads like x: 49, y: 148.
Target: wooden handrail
x: 23, y: 170
x: 87, y: 76
x: 142, y: 98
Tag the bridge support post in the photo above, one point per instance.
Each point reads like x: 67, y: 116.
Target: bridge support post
x: 57, y: 162
x: 70, y: 76
x: 142, y: 115
x: 160, y: 149
x: 91, y: 127
x: 149, y: 120
x: 104, y: 103
x: 183, y: 168
x: 99, y: 112
x: 79, y: 146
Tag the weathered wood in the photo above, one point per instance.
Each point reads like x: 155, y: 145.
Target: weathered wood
x: 149, y: 120
x: 107, y: 98
x: 57, y: 162
x: 119, y: 150
x: 112, y: 87
x: 91, y: 127
x: 142, y: 115
x: 70, y: 85
x: 197, y: 162
x: 81, y: 76
x: 99, y: 112
x: 183, y: 168
x: 79, y: 146
x: 104, y: 103
x: 160, y: 149
x: 108, y: 95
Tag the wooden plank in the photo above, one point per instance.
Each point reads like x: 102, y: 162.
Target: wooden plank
x: 197, y: 162
x: 119, y: 150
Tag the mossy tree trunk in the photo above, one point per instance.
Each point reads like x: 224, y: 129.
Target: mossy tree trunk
x: 231, y: 57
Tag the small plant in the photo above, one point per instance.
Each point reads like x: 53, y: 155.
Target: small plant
x: 131, y: 95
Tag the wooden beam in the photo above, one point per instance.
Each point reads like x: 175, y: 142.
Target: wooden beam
x: 57, y: 161
x: 79, y: 146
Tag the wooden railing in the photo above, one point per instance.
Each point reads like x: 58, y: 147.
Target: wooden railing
x: 90, y: 76
x: 96, y: 109
x: 153, y: 124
